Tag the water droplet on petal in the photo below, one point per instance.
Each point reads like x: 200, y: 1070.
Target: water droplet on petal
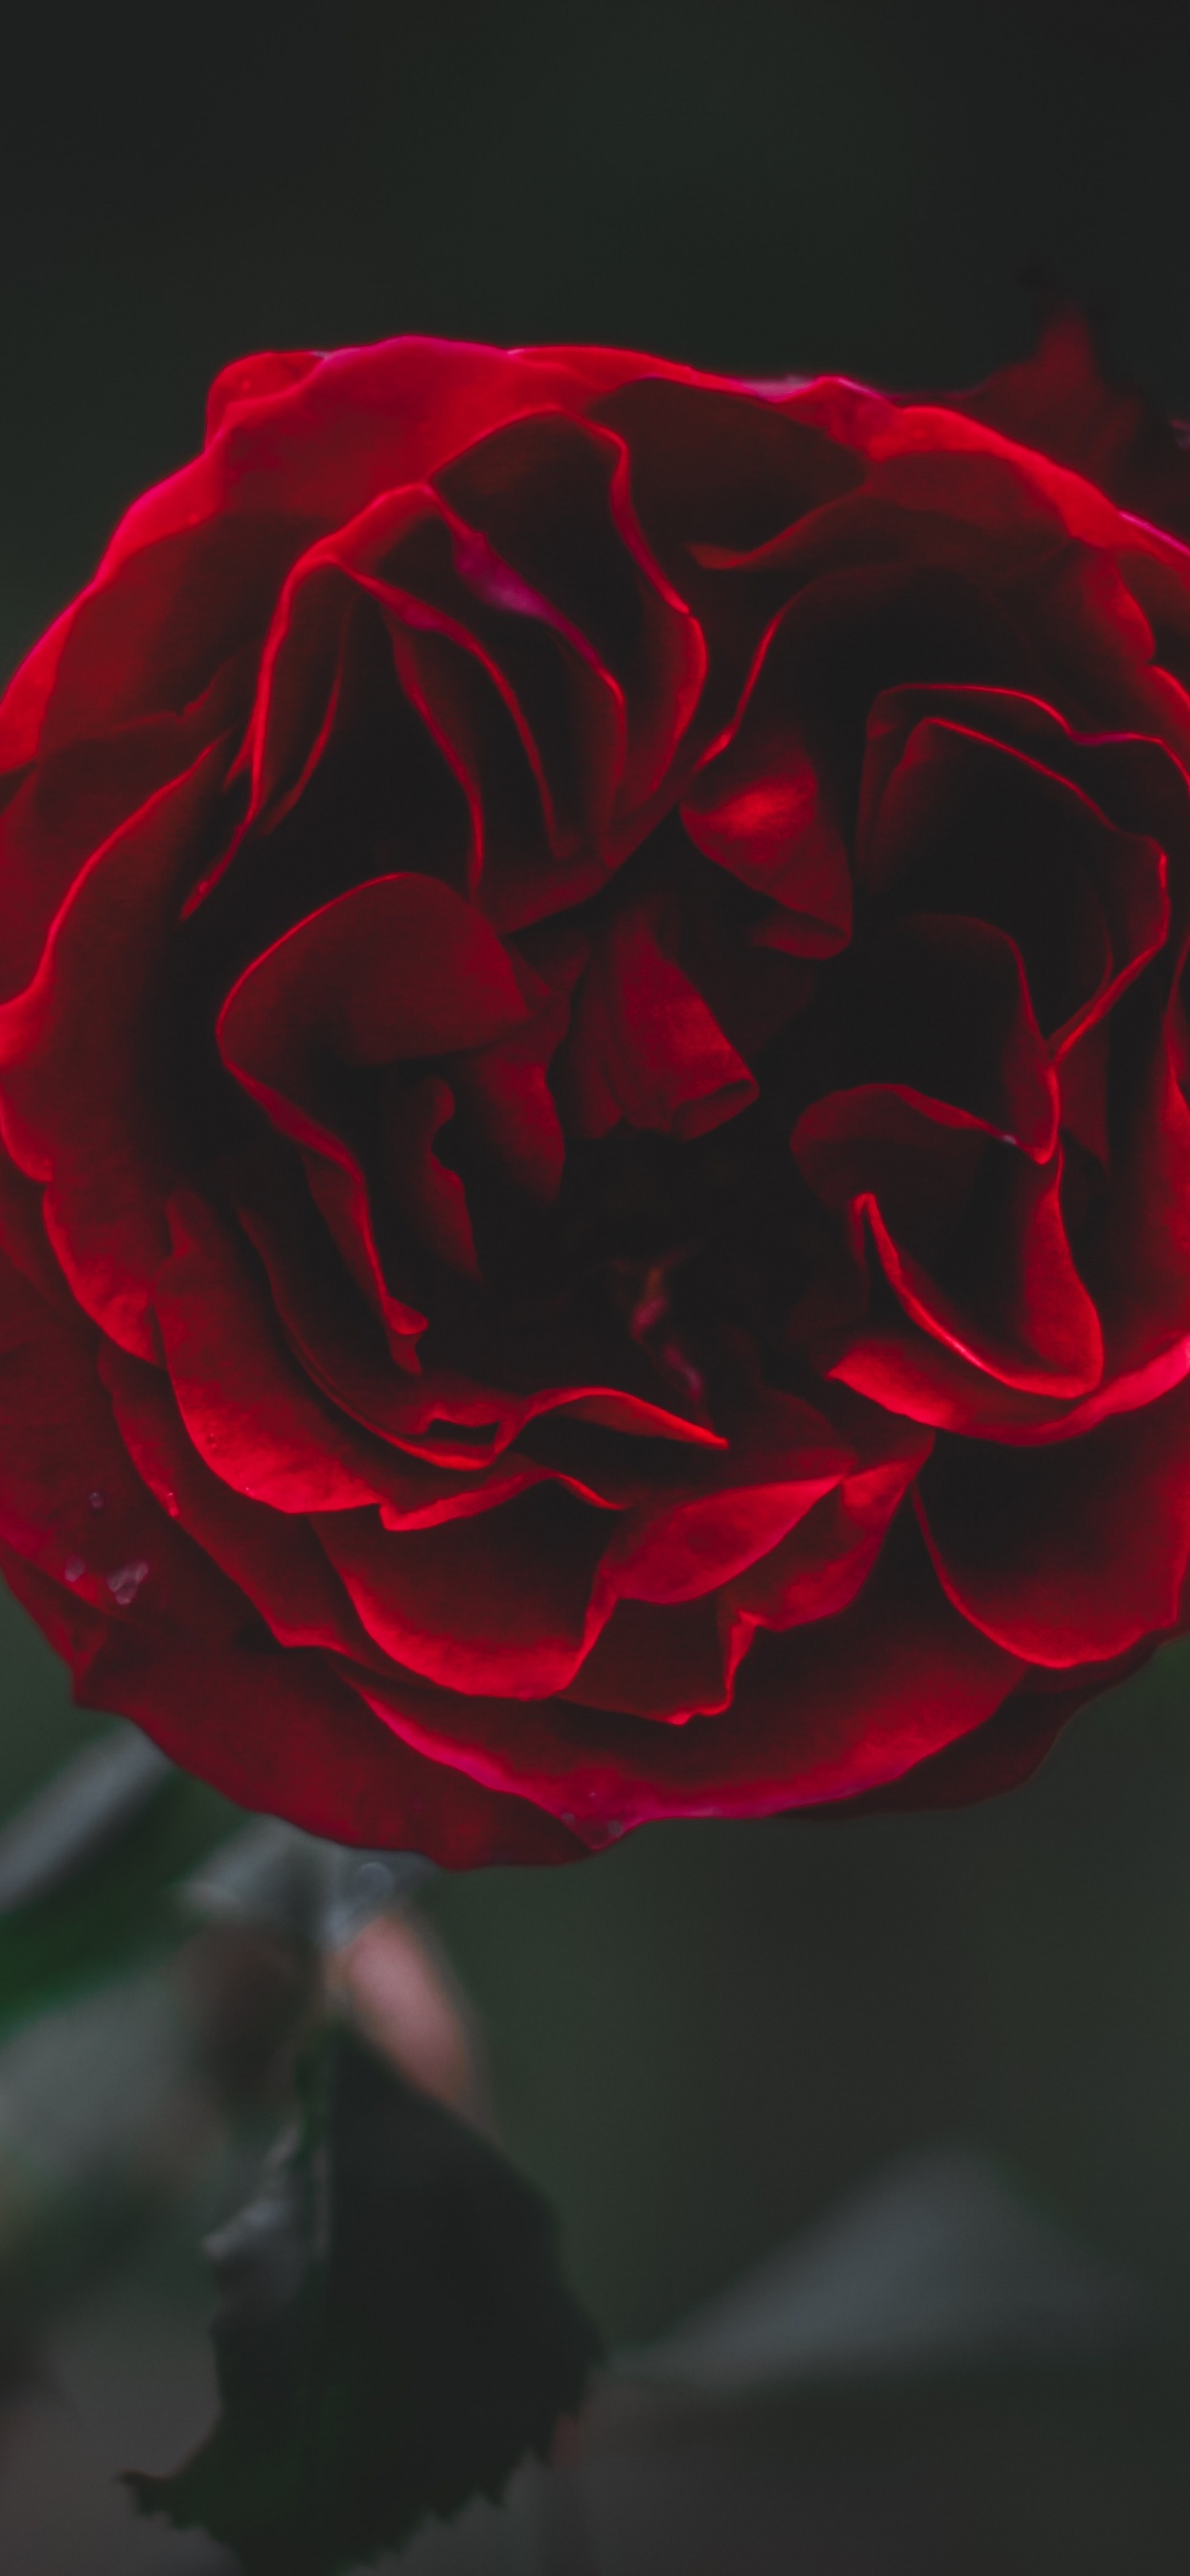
x: 126, y: 1582
x: 172, y: 1505
x: 74, y: 1569
x: 96, y: 1500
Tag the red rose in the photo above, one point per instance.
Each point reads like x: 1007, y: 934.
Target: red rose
x: 596, y: 1213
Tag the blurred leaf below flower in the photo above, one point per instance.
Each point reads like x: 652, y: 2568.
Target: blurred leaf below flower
x: 394, y: 2334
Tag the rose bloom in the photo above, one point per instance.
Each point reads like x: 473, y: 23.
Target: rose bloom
x: 595, y: 1205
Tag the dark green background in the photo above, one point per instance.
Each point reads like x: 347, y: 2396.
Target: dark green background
x: 701, y: 2037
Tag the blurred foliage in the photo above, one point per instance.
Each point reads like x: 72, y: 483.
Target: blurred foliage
x: 394, y: 2334
x: 118, y: 1909
x: 39, y: 1725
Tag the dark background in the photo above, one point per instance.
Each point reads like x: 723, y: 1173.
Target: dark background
x: 698, y: 2040
x: 824, y: 184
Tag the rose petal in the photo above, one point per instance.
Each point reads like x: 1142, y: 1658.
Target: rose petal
x: 71, y: 1505
x: 395, y: 970
x: 676, y: 1546
x: 664, y: 1662
x: 1001, y: 1291
x: 937, y: 1006
x: 554, y: 498
x: 643, y: 1044
x: 964, y: 823
x: 440, y: 1413
x: 287, y: 1736
x: 391, y: 971
x: 1069, y: 1554
x: 253, y: 1415
x: 758, y: 809
x: 255, y: 379
x: 818, y: 1569
x: 82, y: 1052
x: 273, y: 1556
x: 76, y: 799
x: 504, y: 1603
x: 828, y: 1711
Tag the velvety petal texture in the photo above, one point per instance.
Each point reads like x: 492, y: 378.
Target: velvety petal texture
x: 594, y: 1130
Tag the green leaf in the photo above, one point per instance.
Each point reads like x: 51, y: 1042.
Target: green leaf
x: 394, y: 2333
